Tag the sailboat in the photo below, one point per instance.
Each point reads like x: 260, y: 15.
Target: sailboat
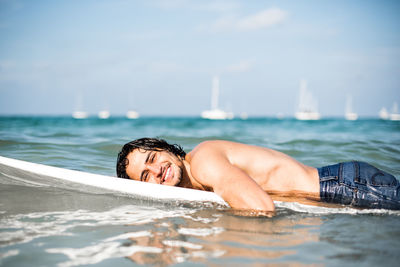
x: 79, y: 113
x: 395, y: 116
x: 383, y: 114
x: 131, y: 114
x: 308, y: 105
x: 244, y: 116
x: 215, y: 113
x: 349, y: 114
x: 104, y: 114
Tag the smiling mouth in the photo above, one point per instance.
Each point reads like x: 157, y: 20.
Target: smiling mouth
x: 166, y: 174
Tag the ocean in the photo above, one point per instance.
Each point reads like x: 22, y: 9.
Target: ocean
x: 58, y: 226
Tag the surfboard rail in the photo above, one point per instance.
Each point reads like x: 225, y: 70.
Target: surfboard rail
x: 125, y: 186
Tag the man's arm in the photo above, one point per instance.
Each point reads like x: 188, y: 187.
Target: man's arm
x: 213, y: 169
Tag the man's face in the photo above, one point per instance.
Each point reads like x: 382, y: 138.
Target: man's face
x: 157, y: 167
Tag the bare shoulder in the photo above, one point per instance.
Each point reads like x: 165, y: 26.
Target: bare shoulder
x: 211, y: 160
x: 207, y: 149
x: 215, y: 164
x: 206, y: 160
x: 213, y: 149
x: 216, y: 146
x: 234, y: 152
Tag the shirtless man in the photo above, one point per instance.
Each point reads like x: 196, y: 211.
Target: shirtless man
x: 246, y: 176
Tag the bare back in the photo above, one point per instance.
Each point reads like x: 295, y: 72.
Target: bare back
x: 273, y: 171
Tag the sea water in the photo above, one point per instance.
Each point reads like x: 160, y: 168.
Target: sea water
x: 58, y: 226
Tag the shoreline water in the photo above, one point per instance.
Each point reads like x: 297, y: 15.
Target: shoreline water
x: 51, y: 226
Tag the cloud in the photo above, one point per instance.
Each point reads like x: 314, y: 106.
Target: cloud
x: 261, y: 20
x: 11, y: 5
x: 143, y: 36
x: 6, y: 65
x: 220, y: 6
x: 241, y: 66
x: 170, y: 4
x: 213, y: 6
x: 165, y: 67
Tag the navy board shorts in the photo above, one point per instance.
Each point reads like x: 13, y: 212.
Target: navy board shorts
x: 359, y: 184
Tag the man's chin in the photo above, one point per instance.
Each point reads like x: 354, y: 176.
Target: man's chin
x: 179, y: 182
x: 176, y: 181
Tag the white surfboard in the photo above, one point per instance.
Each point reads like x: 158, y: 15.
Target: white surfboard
x: 16, y: 168
x: 33, y: 174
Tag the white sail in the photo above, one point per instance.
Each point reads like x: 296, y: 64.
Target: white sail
x: 350, y: 115
x: 383, y: 114
x: 79, y: 113
x: 215, y: 93
x: 308, y: 105
x: 395, y: 116
x: 104, y: 114
x: 132, y: 114
x: 215, y: 113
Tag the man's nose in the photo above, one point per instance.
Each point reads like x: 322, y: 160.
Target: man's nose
x: 154, y: 169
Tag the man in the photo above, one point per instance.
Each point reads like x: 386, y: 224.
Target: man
x: 246, y: 176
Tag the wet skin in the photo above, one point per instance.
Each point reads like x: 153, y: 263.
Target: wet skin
x: 157, y: 167
x: 241, y: 174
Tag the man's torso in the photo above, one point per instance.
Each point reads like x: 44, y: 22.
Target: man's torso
x: 275, y: 172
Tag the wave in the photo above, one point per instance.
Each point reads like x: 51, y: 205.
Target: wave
x: 303, y: 208
x: 23, y: 228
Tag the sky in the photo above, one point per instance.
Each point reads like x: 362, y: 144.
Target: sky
x: 160, y: 57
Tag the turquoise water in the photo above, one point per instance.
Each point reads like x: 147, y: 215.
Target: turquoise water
x: 52, y: 225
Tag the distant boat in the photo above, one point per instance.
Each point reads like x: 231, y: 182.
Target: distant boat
x: 131, y: 114
x: 215, y: 113
x: 104, y: 114
x: 80, y: 115
x: 244, y: 116
x: 383, y: 114
x: 308, y: 105
x: 280, y: 116
x: 349, y: 114
x: 395, y: 116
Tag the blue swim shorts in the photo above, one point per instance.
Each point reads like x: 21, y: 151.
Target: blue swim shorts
x: 359, y: 184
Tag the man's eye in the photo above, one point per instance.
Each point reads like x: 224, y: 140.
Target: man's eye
x: 144, y: 177
x: 152, y: 157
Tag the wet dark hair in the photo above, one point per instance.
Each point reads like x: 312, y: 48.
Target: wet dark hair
x: 152, y: 144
